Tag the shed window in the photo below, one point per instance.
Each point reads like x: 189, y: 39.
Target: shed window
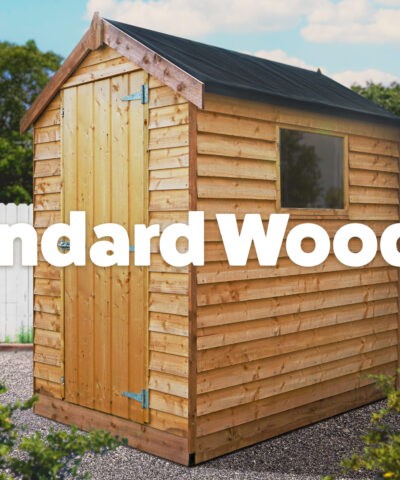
x: 311, y: 170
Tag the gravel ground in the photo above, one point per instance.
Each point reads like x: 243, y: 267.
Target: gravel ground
x: 305, y: 454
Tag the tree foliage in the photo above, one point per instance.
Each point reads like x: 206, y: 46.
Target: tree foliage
x: 24, y: 71
x: 387, y: 97
x: 54, y: 456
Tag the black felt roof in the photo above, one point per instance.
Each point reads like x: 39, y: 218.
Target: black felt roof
x: 235, y: 74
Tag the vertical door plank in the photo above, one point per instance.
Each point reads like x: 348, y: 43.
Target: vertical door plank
x: 85, y: 284
x: 102, y: 275
x: 120, y: 275
x: 69, y: 162
x: 138, y: 115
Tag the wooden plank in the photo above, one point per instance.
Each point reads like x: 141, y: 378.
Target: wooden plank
x: 224, y: 145
x: 164, y: 282
x: 378, y: 163
x: 120, y: 294
x: 216, y: 272
x: 163, y: 96
x: 47, y: 321
x: 213, y: 206
x: 45, y: 304
x: 161, y: 68
x: 169, y: 423
x: 48, y: 287
x: 229, y: 313
x: 167, y: 323
x: 50, y: 373
x: 299, y: 118
x: 167, y: 303
x: 373, y: 196
x: 284, y: 402
x: 218, y: 336
x: 169, y: 179
x: 52, y: 389
x: 164, y: 402
x: 99, y: 56
x: 47, y: 168
x: 108, y: 69
x: 139, y: 290
x: 70, y: 178
x: 47, y: 355
x: 296, y: 361
x: 47, y: 338
x: 47, y: 185
x: 49, y: 118
x: 45, y: 270
x: 373, y: 212
x: 145, y: 438
x: 371, y: 179
x: 84, y: 285
x: 172, y: 384
x: 173, y: 200
x: 47, y: 134
x: 167, y: 363
x: 102, y: 214
x: 255, y: 289
x: 256, y: 349
x: 256, y: 390
x: 47, y: 201
x: 228, y: 440
x: 168, y: 343
x: 231, y: 167
x: 169, y: 137
x: 192, y: 285
x: 208, y: 187
x: 168, y: 158
x: 212, y: 122
x: 366, y: 144
x: 169, y: 116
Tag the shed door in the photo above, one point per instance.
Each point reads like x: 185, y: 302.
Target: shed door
x: 104, y: 168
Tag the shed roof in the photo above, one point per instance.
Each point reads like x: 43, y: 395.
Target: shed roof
x: 192, y: 68
x: 236, y: 74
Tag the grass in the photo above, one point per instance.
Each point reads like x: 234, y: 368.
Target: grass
x: 23, y: 336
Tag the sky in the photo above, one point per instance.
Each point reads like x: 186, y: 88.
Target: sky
x: 352, y: 41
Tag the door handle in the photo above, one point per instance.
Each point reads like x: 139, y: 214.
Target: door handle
x: 64, y: 246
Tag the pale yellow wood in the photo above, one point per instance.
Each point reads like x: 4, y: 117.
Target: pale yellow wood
x: 168, y: 116
x: 235, y: 126
x: 213, y: 144
x: 102, y: 214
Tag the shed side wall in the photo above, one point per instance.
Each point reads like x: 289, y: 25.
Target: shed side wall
x: 168, y: 287
x: 281, y: 347
x: 47, y: 187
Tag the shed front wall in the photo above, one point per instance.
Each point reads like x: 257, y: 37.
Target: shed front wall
x: 281, y: 347
x: 168, y: 201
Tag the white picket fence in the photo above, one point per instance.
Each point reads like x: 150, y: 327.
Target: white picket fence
x: 16, y: 282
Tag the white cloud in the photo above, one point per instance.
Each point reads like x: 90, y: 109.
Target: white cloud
x: 194, y: 19
x: 282, y: 57
x: 347, y: 78
x: 353, y: 21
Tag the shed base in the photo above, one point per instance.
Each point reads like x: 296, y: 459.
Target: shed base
x: 142, y: 437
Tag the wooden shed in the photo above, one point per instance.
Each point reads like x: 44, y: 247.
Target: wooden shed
x: 192, y: 363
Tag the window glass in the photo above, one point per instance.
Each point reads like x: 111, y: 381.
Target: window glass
x: 311, y: 170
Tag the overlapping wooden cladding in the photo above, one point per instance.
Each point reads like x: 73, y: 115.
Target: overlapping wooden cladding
x: 47, y: 186
x: 273, y: 341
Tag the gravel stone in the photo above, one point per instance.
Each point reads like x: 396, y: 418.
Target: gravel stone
x: 305, y: 454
